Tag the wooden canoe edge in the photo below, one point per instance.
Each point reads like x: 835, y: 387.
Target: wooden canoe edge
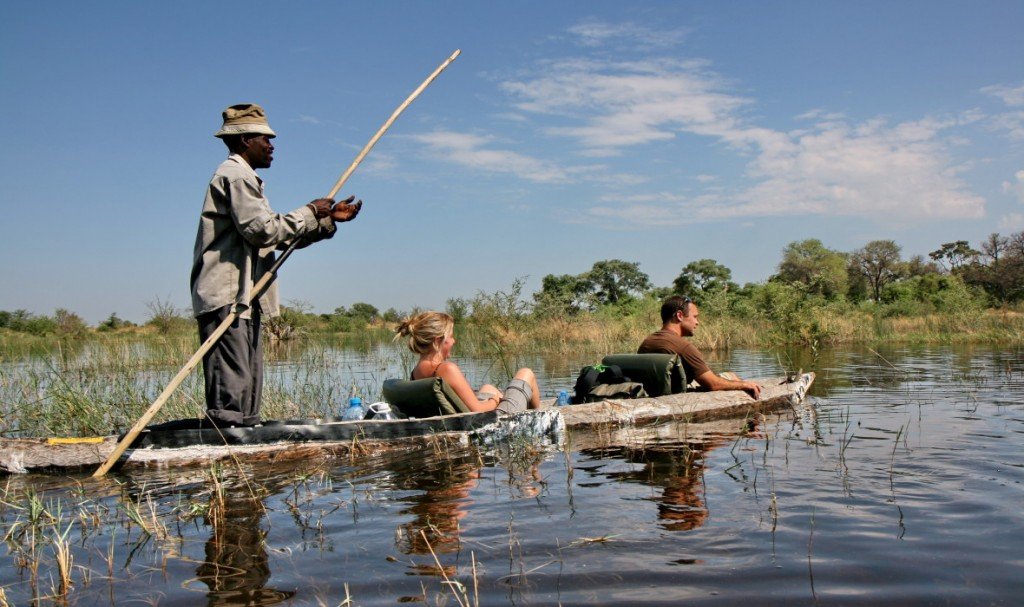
x: 35, y: 455
x: 692, y: 406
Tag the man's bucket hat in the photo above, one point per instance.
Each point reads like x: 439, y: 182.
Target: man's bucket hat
x: 245, y: 118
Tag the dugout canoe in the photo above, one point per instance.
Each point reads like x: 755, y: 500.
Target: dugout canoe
x: 186, y: 442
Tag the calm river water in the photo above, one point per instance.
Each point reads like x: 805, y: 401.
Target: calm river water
x: 901, y: 484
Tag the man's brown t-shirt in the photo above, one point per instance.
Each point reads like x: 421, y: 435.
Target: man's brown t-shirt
x: 667, y: 342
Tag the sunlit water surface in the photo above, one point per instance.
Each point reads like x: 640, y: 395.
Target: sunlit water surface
x: 904, y: 487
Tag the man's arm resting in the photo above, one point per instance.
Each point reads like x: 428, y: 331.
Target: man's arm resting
x: 327, y: 213
x: 709, y: 381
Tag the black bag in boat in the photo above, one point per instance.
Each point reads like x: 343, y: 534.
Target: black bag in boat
x: 595, y: 381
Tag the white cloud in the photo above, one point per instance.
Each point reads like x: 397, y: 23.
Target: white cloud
x: 308, y: 119
x: 511, y: 117
x: 874, y: 168
x: 821, y: 115
x: 832, y: 166
x: 1012, y: 222
x: 622, y: 104
x: 1010, y: 95
x: 1011, y: 121
x: 1015, y: 187
x: 597, y: 33
x: 471, y: 151
x: 380, y: 164
x: 478, y: 152
x: 656, y: 209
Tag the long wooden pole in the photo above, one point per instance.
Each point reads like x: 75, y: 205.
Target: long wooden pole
x: 259, y: 287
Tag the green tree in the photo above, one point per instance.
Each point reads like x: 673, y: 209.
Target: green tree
x: 165, y: 317
x: 821, y: 270
x: 613, y: 279
x: 879, y: 263
x: 704, y: 275
x: 364, y: 312
x: 69, y: 323
x: 917, y: 266
x: 931, y: 293
x: 26, y: 322
x: 954, y: 255
x: 561, y: 294
x: 999, y: 269
x: 295, y: 319
x: 1014, y: 266
x: 113, y: 323
x: 458, y: 308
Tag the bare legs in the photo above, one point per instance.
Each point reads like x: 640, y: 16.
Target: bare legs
x: 530, y: 378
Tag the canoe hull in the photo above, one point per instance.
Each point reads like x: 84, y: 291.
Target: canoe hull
x: 167, y: 445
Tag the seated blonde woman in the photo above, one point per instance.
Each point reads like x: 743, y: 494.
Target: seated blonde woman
x: 430, y: 336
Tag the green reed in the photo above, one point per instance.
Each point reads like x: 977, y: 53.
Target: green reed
x: 98, y: 387
x: 103, y: 383
x: 53, y: 537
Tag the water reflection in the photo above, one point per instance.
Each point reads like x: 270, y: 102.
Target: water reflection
x: 911, y: 470
x: 677, y: 472
x: 236, y: 569
x: 668, y: 457
x: 439, y: 500
x: 229, y: 503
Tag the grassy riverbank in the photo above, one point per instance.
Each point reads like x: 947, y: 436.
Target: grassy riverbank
x: 622, y: 328
x: 100, y: 382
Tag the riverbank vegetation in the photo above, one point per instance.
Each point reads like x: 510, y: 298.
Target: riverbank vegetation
x: 818, y: 296
x: 61, y: 377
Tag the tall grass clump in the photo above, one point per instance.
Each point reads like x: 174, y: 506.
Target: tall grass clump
x: 102, y: 383
x: 99, y: 388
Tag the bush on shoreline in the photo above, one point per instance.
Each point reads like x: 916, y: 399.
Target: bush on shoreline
x: 818, y: 296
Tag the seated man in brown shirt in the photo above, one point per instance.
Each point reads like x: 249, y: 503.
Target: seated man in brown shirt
x: 679, y: 319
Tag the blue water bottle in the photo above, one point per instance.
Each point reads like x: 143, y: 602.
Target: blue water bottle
x: 355, y: 409
x: 563, y: 398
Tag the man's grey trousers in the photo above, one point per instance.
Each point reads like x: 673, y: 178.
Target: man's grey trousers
x: 233, y: 368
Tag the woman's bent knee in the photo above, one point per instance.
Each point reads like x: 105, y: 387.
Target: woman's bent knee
x: 525, y: 374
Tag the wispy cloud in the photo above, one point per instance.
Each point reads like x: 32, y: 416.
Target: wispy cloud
x: 1012, y: 222
x: 476, y: 152
x: 481, y: 152
x: 873, y: 169
x: 594, y: 33
x: 1010, y: 95
x: 833, y: 166
x: 381, y: 163
x: 1016, y: 186
x: 1011, y: 121
x: 622, y: 104
x: 609, y: 108
x: 887, y: 172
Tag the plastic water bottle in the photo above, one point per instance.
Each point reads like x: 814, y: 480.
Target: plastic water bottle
x: 563, y: 398
x: 355, y: 409
x: 381, y: 410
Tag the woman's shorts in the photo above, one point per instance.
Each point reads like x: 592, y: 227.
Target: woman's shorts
x: 516, y: 398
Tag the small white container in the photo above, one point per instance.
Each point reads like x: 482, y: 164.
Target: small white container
x: 381, y: 410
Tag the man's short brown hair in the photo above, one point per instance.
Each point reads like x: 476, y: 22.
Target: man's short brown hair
x: 676, y: 303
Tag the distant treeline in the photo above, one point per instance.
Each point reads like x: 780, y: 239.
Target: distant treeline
x: 817, y: 295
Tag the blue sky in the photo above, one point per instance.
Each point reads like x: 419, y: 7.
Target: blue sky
x: 566, y: 133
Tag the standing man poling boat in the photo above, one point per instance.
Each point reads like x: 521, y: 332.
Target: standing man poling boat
x: 238, y: 233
